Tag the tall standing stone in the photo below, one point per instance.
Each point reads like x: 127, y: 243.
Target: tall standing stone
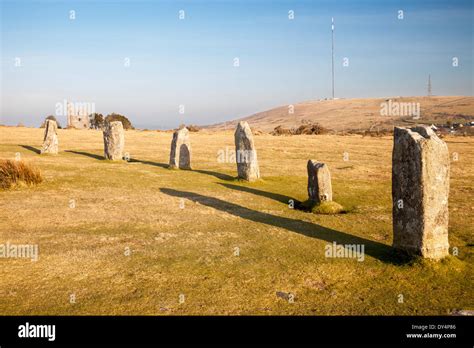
x: 420, y: 190
x: 114, y: 141
x: 245, y: 153
x: 50, y: 141
x: 180, y: 154
x: 319, y: 182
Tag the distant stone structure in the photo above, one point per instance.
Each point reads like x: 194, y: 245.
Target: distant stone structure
x: 245, y: 153
x: 50, y: 141
x: 114, y: 140
x: 420, y: 191
x: 77, y: 117
x: 180, y: 154
x: 319, y: 182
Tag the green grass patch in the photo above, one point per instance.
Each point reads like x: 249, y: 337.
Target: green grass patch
x: 325, y: 208
x: 328, y: 208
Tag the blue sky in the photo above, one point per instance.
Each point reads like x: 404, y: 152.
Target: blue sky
x: 189, y: 62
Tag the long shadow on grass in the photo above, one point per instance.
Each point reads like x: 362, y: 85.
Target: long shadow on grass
x: 88, y: 154
x: 377, y: 250
x: 166, y: 165
x: 275, y: 196
x: 162, y: 165
x: 131, y: 160
x: 218, y: 175
x: 31, y: 148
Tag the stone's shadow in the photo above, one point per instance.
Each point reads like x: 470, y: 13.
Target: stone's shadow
x: 275, y: 196
x: 132, y: 160
x: 31, y: 148
x: 220, y: 176
x: 375, y: 249
x: 162, y: 165
x: 88, y: 154
x: 305, y: 206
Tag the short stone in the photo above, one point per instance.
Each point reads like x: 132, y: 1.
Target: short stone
x: 245, y: 153
x: 180, y: 154
x: 50, y: 141
x: 114, y: 141
x: 319, y: 182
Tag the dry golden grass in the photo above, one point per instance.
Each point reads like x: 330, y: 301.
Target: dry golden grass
x: 14, y: 173
x: 229, y: 247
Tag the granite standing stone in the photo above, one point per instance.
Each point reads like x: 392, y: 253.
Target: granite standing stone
x: 50, y: 141
x: 420, y: 191
x: 180, y: 154
x: 114, y: 141
x: 319, y: 182
x: 245, y: 153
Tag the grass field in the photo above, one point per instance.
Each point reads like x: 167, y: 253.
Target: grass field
x: 183, y: 229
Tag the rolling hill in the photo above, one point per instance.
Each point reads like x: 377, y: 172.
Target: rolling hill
x: 360, y: 114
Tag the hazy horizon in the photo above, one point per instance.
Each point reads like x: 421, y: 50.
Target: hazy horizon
x: 190, y: 61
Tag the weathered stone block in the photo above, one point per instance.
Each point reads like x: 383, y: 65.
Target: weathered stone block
x: 319, y: 182
x: 420, y: 191
x: 245, y: 153
x: 180, y: 155
x: 50, y: 141
x: 114, y: 140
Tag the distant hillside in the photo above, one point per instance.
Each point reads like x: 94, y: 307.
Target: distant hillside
x: 351, y: 114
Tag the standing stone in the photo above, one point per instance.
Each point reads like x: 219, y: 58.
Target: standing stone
x: 50, y: 141
x: 114, y: 141
x: 319, y: 182
x: 245, y: 153
x: 180, y: 154
x: 420, y: 190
